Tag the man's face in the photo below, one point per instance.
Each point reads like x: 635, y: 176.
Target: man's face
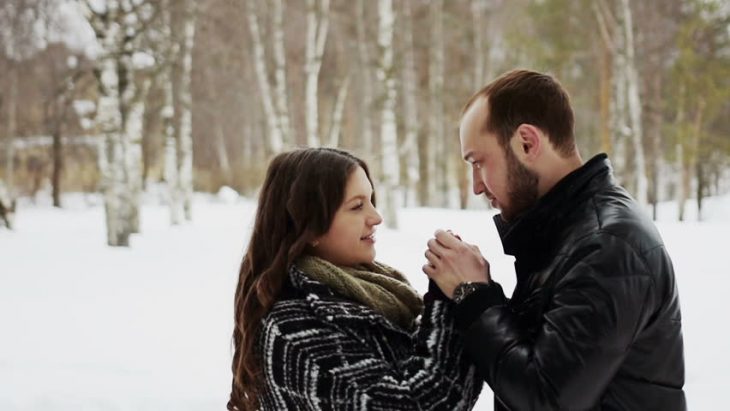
x: 496, y: 171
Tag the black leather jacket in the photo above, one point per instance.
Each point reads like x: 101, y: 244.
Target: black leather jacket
x: 594, y: 320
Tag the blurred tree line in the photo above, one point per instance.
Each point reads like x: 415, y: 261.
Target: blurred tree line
x: 199, y: 94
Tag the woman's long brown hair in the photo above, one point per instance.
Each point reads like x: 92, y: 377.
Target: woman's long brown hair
x: 301, y: 194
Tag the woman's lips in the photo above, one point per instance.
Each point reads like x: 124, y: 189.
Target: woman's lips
x: 369, y: 238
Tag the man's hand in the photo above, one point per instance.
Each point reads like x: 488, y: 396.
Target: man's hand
x: 452, y: 261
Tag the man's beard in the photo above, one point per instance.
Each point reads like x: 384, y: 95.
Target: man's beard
x: 522, y: 187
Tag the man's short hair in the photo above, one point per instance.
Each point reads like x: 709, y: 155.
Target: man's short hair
x: 527, y: 97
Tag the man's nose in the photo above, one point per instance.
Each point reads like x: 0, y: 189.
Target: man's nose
x: 478, y: 184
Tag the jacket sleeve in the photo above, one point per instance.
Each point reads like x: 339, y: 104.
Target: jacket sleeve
x: 595, y: 311
x: 328, y: 368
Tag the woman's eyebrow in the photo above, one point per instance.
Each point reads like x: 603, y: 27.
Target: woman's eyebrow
x: 357, y: 197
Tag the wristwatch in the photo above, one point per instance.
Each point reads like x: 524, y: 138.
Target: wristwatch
x: 464, y: 289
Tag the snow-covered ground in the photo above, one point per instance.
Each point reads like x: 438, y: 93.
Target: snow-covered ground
x: 87, y: 327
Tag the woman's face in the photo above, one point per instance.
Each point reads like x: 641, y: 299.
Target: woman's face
x: 351, y: 238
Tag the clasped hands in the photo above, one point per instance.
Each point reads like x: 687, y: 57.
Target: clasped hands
x: 452, y: 261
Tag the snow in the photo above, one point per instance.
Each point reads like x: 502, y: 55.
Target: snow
x: 84, y: 107
x: 142, y: 60
x: 68, y: 25
x: 88, y: 327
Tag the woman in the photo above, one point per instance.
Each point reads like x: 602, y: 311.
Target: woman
x: 319, y: 324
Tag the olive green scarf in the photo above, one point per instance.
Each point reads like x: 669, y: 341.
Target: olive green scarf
x: 375, y: 285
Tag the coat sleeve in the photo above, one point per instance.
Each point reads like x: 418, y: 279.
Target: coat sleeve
x: 325, y: 367
x: 595, y: 311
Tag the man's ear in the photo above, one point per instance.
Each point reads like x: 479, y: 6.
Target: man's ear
x: 527, y: 143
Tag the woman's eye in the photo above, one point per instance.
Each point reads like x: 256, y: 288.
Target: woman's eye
x: 358, y: 206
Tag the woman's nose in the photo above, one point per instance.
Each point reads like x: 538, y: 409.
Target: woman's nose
x: 375, y: 217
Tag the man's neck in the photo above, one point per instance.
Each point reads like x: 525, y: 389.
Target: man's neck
x: 558, y: 168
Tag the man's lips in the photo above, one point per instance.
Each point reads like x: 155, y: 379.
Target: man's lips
x: 492, y: 201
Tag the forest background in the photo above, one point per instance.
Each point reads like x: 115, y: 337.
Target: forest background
x: 116, y: 96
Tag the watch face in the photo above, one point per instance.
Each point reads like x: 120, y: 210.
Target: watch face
x: 462, y: 290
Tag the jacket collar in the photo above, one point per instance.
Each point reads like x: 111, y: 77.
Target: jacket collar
x: 532, y: 235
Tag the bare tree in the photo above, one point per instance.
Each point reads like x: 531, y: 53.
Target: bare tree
x: 366, y: 80
x: 409, y: 151
x: 656, y: 34
x: 436, y: 139
x: 183, y: 34
x: 11, y: 129
x: 634, y: 105
x: 56, y: 115
x: 280, y: 88
x: 388, y: 129
x: 618, y: 36
x: 337, y: 112
x: 276, y: 136
x: 480, y: 26
x: 317, y: 27
x: 118, y: 25
x: 19, y: 41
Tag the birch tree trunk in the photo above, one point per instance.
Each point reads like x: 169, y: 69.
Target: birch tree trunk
x: 171, y: 171
x: 436, y: 170
x: 109, y: 121
x: 149, y: 133
x: 478, y: 9
x: 682, y: 181
x: 657, y: 158
x: 180, y: 180
x: 614, y: 37
x: 317, y: 27
x: 282, y: 101
x: 409, y: 150
x: 694, y: 162
x: 275, y: 140
x: 479, y: 27
x: 185, y: 134
x: 388, y: 129
x: 57, y: 168
x: 12, y: 130
x: 701, y: 187
x: 170, y: 77
x: 366, y: 80
x: 170, y: 121
x: 60, y: 104
x: 222, y: 154
x: 619, y: 120
x: 339, y: 109
x: 607, y: 87
x: 605, y: 99
x: 132, y: 116
x: 119, y: 115
x: 634, y: 107
x: 683, y: 174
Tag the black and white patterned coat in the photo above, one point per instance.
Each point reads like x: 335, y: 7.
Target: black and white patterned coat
x: 321, y: 351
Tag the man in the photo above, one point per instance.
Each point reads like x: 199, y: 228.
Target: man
x: 594, y: 320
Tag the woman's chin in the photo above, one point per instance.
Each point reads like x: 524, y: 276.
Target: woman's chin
x: 367, y: 259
